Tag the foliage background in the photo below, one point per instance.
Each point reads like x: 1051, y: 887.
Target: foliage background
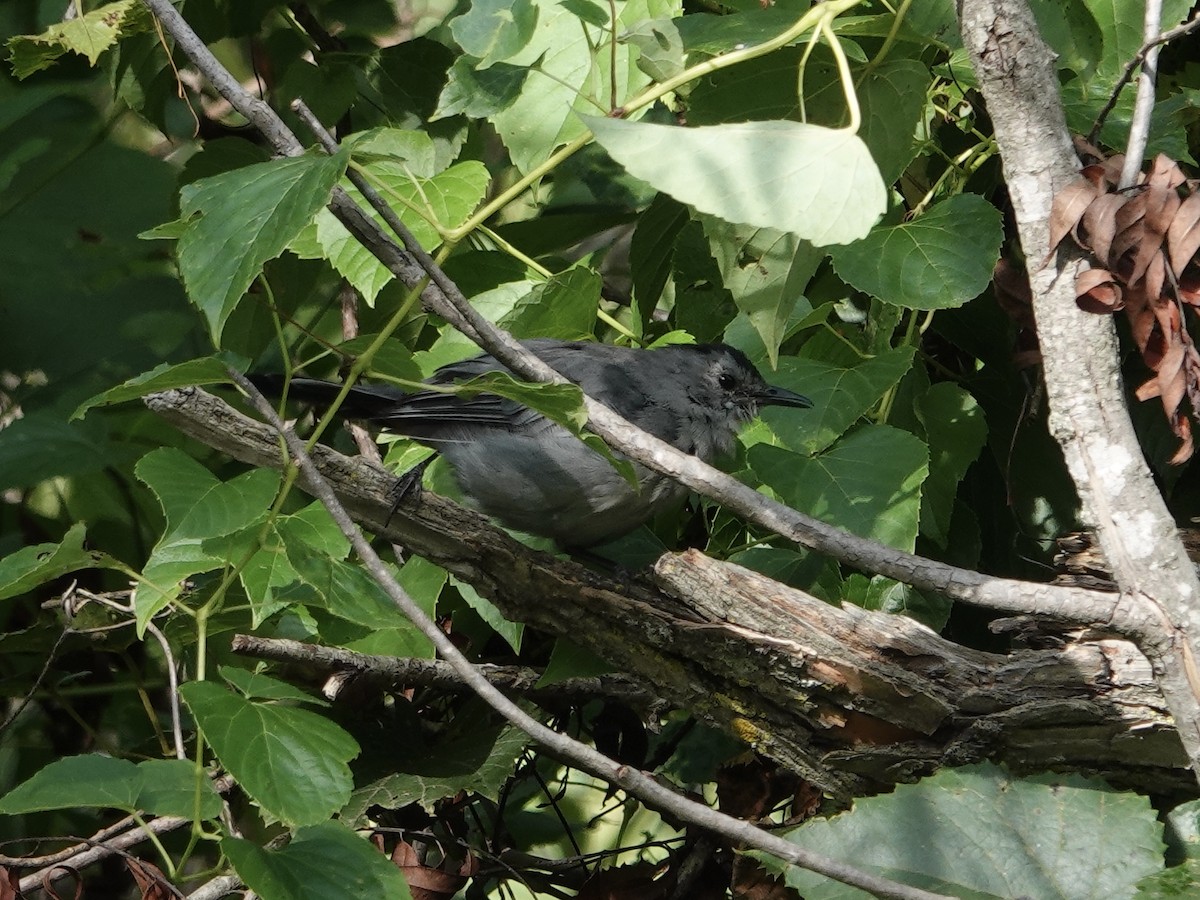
x: 926, y: 432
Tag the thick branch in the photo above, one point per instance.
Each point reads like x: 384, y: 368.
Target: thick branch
x: 852, y: 700
x: 1087, y: 404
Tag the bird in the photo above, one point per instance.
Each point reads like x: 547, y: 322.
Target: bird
x: 534, y: 475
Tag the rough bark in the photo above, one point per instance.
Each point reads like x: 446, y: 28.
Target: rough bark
x: 852, y: 700
x: 1088, y: 413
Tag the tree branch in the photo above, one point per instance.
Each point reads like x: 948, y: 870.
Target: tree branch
x: 405, y: 672
x: 850, y: 699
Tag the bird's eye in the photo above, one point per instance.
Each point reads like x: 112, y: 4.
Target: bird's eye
x: 726, y: 381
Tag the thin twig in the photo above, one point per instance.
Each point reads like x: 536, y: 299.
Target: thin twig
x: 1143, y: 107
x: 636, y: 783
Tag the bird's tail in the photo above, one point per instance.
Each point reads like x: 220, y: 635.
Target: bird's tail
x: 365, y: 401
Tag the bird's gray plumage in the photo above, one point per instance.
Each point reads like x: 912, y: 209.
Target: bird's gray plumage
x: 534, y: 475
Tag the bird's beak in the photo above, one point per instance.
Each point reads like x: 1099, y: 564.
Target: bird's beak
x: 777, y: 396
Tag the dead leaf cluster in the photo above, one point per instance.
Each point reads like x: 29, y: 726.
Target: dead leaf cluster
x: 1143, y: 242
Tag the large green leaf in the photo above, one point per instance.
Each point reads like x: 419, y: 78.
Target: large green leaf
x: 956, y: 432
x: 238, y: 220
x: 480, y: 761
x: 34, y: 565
x: 91, y: 780
x: 893, y: 99
x: 564, y: 307
x: 841, y: 395
x: 942, y: 259
x: 210, y: 370
x: 766, y: 271
x: 819, y: 183
x: 493, y: 31
x: 158, y: 786
x: 322, y: 862
x: 88, y: 35
x: 868, y: 483
x: 198, y: 506
x: 292, y: 762
x: 569, y: 76
x: 479, y: 93
x: 423, y: 204
x: 979, y: 830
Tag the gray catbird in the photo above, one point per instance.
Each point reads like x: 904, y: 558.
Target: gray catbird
x: 534, y: 475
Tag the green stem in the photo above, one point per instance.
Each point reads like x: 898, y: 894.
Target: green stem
x: 153, y: 838
x: 888, y: 42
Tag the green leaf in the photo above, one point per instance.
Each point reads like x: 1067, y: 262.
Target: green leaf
x: 322, y: 862
x: 588, y: 12
x: 569, y: 76
x: 479, y: 93
x: 345, y: 589
x: 841, y: 395
x: 568, y: 660
x: 88, y: 35
x: 988, y: 832
x: 563, y: 403
x: 29, y: 567
x: 91, y: 780
x: 198, y: 507
x: 767, y: 272
x: 169, y: 788
x: 292, y: 762
x: 480, y: 761
x: 238, y: 220
x: 1070, y: 29
x: 1182, y: 881
x: 257, y: 686
x: 652, y: 249
x: 819, y: 183
x: 893, y: 100
x: 885, y: 595
x: 413, y: 148
x: 41, y: 445
x: 868, y: 483
x: 942, y: 259
x: 492, y: 31
x: 209, y: 370
x: 512, y: 632
x: 660, y: 48
x: 1120, y: 23
x: 956, y: 432
x: 563, y: 307
x: 447, y: 199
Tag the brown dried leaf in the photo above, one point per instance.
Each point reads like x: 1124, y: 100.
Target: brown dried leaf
x: 8, y: 885
x: 1097, y: 291
x: 1068, y: 208
x: 1156, y: 275
x: 1098, y: 226
x: 150, y: 880
x: 1147, y: 390
x: 1183, y: 234
x: 1160, y: 206
x: 1182, y: 426
x: 428, y: 882
x: 1165, y: 173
